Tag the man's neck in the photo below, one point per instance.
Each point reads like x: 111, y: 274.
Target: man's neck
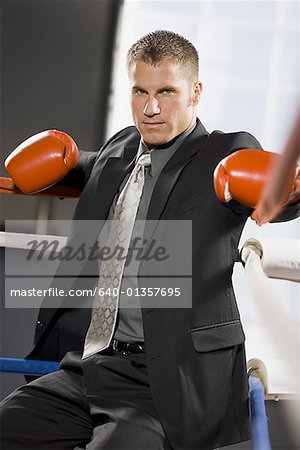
x: 172, y: 141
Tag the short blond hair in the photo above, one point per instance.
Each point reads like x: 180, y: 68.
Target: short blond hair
x: 164, y: 45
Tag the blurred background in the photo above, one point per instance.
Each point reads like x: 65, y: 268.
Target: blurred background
x: 63, y: 67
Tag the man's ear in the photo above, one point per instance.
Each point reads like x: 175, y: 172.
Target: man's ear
x: 197, y: 93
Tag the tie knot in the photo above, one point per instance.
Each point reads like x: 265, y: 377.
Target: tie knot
x: 145, y: 159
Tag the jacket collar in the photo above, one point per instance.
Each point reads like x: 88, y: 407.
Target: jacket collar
x: 173, y: 168
x: 116, y: 168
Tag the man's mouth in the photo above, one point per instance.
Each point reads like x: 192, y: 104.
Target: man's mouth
x: 149, y: 124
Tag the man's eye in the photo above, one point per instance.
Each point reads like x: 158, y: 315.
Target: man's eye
x: 140, y: 92
x: 167, y: 91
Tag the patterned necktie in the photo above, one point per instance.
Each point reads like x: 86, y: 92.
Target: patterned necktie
x: 105, y: 307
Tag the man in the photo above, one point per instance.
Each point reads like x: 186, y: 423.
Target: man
x: 169, y: 377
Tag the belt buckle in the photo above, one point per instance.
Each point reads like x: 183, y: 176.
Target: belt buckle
x: 126, y: 352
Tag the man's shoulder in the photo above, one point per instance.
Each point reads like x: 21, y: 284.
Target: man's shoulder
x: 130, y: 135
x: 236, y: 138
x: 127, y: 137
x: 226, y: 141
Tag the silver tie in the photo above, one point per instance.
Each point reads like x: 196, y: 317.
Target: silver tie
x: 105, y: 307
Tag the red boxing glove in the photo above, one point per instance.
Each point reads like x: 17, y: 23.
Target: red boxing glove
x: 242, y: 176
x: 42, y: 160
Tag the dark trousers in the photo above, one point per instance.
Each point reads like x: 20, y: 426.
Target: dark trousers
x: 103, y: 402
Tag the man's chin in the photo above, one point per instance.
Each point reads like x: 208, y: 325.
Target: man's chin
x: 152, y: 142
x: 151, y: 145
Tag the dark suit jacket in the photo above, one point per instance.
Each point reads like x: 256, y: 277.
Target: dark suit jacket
x: 195, y: 355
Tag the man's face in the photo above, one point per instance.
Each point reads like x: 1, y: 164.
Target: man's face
x: 163, y: 101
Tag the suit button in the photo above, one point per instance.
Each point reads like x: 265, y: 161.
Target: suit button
x: 39, y: 325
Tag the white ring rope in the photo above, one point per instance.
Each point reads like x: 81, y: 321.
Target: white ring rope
x: 280, y: 258
x: 20, y: 240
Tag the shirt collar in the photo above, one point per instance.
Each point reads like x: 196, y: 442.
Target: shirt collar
x: 161, y: 154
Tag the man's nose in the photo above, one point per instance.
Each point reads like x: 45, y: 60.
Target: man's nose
x: 152, y: 107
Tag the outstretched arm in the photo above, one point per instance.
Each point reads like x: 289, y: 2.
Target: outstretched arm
x: 242, y: 176
x: 281, y: 180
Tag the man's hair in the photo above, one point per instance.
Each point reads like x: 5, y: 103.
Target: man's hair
x: 162, y: 45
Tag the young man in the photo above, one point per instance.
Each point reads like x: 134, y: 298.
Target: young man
x: 166, y: 377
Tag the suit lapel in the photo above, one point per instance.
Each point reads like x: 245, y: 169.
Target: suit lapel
x: 168, y: 178
x: 172, y: 170
x: 110, y: 179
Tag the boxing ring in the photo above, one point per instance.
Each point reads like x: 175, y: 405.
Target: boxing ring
x: 262, y: 259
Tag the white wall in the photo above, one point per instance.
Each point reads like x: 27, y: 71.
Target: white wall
x: 250, y: 68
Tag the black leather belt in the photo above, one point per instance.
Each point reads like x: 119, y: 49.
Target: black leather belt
x: 127, y: 348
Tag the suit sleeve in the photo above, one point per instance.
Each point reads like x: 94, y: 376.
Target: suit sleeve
x: 79, y: 176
